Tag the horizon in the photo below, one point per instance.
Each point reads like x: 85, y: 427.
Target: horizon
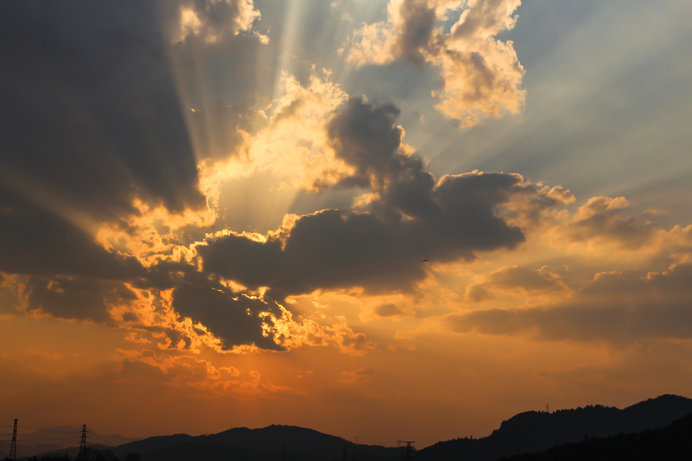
x: 383, y: 220
x: 102, y: 439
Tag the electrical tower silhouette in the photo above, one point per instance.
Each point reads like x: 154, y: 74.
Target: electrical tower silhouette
x: 82, y: 444
x: 13, y: 445
x: 408, y: 453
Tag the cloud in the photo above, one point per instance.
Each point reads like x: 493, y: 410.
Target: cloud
x: 414, y: 38
x: 96, y: 140
x: 211, y: 20
x: 614, y: 307
x: 514, y: 279
x: 601, y: 218
x: 388, y: 310
x: 480, y: 75
x: 381, y: 247
x: 293, y: 331
x: 83, y: 298
x: 235, y: 319
x: 355, y: 375
x: 289, y: 142
x: 35, y: 241
x: 91, y: 112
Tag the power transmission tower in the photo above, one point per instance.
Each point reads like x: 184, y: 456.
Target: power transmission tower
x: 82, y: 444
x: 408, y: 453
x: 13, y: 445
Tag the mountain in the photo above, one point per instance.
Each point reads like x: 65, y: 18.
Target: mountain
x: 672, y: 443
x: 533, y: 431
x: 529, y: 432
x: 269, y: 443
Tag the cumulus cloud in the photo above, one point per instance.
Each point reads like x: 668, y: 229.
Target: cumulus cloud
x: 480, y: 74
x: 211, y: 20
x: 601, y: 218
x: 411, y: 217
x: 102, y: 205
x: 96, y: 139
x: 289, y: 143
x: 614, y: 307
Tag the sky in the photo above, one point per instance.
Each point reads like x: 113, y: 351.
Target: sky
x: 381, y: 219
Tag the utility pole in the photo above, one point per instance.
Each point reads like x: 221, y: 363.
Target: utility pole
x: 408, y: 453
x: 82, y: 443
x: 13, y: 445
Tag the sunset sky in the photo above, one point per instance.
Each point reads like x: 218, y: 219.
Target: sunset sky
x: 381, y: 219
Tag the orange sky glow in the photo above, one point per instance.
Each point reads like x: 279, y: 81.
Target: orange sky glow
x: 405, y: 220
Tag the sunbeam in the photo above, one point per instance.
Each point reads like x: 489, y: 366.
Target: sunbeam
x: 401, y: 219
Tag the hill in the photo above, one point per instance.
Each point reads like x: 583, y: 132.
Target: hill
x: 672, y: 443
x: 269, y: 443
x: 528, y: 432
x: 537, y: 431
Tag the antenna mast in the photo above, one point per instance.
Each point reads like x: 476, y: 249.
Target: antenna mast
x: 13, y: 445
x: 82, y: 443
x: 408, y: 453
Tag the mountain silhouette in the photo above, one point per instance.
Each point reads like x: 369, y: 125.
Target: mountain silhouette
x: 535, y: 431
x: 528, y: 432
x: 672, y: 443
x: 270, y: 443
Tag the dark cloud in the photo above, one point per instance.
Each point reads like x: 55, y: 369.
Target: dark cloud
x: 366, y: 137
x: 382, y: 248
x: 82, y: 298
x: 64, y: 271
x: 329, y: 249
x: 91, y: 119
x: 35, y: 241
x: 232, y: 318
x: 90, y: 110
x: 416, y: 31
x: 388, y: 310
x: 615, y: 308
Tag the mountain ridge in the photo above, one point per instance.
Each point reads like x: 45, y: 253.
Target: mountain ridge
x: 535, y: 431
x: 526, y: 432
